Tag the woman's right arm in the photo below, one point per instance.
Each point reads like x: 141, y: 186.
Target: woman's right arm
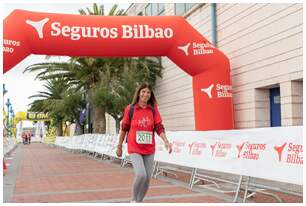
x: 121, y: 138
x: 119, y: 146
x: 124, y: 129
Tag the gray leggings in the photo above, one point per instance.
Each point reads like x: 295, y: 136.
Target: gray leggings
x: 143, y: 169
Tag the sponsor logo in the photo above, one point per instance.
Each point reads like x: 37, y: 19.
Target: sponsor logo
x: 144, y: 122
x: 222, y: 91
x: 220, y: 149
x: 185, y: 48
x: 251, y: 150
x: 9, y: 45
x: 37, y: 116
x: 208, y: 90
x: 197, y: 48
x: 177, y: 146
x: 195, y: 148
x: 212, y: 147
x: 293, y: 153
x: 137, y: 31
x: 279, y: 150
x: 38, y: 26
x: 239, y: 147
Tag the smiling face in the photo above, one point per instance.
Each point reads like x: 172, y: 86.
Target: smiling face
x: 144, y: 95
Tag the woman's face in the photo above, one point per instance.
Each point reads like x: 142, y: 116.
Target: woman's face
x: 144, y: 95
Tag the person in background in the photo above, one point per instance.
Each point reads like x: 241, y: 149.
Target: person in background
x: 24, y: 138
x: 29, y: 137
x: 4, y: 167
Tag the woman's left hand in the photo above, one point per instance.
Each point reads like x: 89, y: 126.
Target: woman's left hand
x: 168, y: 147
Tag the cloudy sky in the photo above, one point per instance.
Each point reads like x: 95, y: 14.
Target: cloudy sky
x: 20, y: 86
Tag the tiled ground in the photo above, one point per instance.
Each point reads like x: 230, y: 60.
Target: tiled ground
x: 47, y: 174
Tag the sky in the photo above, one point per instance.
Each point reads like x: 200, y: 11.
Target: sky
x: 22, y: 85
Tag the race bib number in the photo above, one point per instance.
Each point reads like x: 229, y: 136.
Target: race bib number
x: 144, y: 137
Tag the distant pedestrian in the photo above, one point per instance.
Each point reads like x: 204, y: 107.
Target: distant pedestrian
x: 4, y: 168
x: 24, y: 138
x: 140, y: 120
x: 29, y: 137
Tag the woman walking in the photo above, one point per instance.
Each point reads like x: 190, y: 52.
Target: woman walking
x: 140, y: 120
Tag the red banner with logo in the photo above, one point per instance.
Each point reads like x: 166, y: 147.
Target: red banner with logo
x: 28, y: 33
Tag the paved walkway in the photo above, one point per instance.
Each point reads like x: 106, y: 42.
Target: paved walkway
x: 48, y: 174
x: 39, y: 173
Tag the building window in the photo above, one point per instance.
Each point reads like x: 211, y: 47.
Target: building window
x: 148, y: 10
x: 154, y: 9
x: 161, y: 9
x: 179, y: 9
x: 182, y: 8
x: 188, y: 6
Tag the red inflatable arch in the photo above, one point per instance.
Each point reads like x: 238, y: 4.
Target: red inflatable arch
x: 28, y: 33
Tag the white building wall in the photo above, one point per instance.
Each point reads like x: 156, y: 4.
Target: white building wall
x: 292, y: 103
x: 264, y: 45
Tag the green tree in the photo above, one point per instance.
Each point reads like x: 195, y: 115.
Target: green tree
x: 73, y: 102
x: 60, y: 101
x: 99, y: 121
x: 84, y: 74
x: 51, y: 102
x: 119, y: 91
x: 99, y: 10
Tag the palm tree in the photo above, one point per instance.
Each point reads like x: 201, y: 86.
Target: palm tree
x: 51, y: 101
x: 84, y: 73
x: 99, y: 121
x: 91, y: 73
x: 59, y: 100
x: 72, y: 105
x: 99, y: 11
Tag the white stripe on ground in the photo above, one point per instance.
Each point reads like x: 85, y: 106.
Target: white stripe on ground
x: 105, y: 171
x: 160, y: 197
x: 79, y: 191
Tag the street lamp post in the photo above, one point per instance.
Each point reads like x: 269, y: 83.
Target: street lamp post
x: 11, y: 122
x: 8, y: 104
x: 13, y: 117
x: 4, y: 92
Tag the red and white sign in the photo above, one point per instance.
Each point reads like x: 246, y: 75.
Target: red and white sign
x: 26, y: 33
x: 268, y: 153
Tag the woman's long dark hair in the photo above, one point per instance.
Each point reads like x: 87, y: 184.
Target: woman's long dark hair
x: 152, y: 101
